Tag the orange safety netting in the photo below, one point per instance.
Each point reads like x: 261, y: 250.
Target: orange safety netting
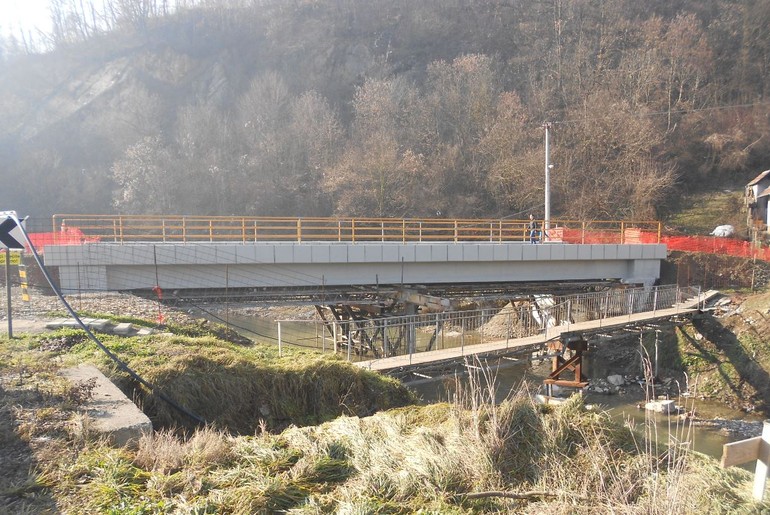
x: 67, y: 236
x: 715, y: 245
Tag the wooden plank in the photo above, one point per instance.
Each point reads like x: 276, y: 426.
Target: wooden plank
x: 738, y: 453
x: 763, y: 462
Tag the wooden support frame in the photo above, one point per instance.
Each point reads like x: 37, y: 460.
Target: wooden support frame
x: 744, y: 451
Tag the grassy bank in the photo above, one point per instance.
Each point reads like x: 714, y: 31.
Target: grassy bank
x: 729, y: 353
x: 262, y: 455
x: 233, y: 386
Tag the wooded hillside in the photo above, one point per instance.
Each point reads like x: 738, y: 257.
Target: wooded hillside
x: 369, y: 108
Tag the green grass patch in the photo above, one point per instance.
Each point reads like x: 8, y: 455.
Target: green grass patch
x: 702, y: 212
x: 230, y: 385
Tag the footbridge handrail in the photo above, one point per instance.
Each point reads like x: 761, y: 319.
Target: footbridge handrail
x: 543, y: 316
x: 190, y: 229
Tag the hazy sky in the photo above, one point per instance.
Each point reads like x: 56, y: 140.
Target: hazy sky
x: 29, y: 14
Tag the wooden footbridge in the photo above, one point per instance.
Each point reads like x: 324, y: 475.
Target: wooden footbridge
x: 562, y: 328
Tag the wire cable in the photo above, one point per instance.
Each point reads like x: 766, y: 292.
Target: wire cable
x: 121, y: 364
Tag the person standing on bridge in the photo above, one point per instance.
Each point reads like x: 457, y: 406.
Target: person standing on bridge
x: 532, y: 229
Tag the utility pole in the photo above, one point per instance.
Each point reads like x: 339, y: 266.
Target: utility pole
x: 548, y: 166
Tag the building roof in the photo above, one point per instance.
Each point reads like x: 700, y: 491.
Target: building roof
x: 764, y: 192
x: 758, y: 178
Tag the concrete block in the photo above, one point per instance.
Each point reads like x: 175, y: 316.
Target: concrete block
x: 245, y: 254
x: 543, y: 252
x: 124, y: 329
x: 515, y: 251
x: 265, y: 253
x: 486, y: 252
x: 55, y: 324
x: 113, y: 414
x: 227, y: 255
x: 407, y: 253
x: 356, y: 254
x: 610, y: 251
x: 186, y: 255
x: 390, y: 254
x: 165, y: 254
x: 439, y: 252
x: 584, y: 252
x: 320, y: 253
x: 500, y: 252
x: 133, y: 254
x: 470, y: 251
x: 651, y: 252
x: 423, y: 253
x: 557, y: 251
x: 100, y: 324
x: 338, y: 253
x: 285, y: 254
x: 302, y: 254
x: 529, y: 252
x: 373, y: 253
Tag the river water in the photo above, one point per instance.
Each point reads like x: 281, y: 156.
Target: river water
x: 508, y: 377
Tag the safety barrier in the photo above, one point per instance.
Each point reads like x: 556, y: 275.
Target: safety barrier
x: 189, y: 229
x: 715, y: 245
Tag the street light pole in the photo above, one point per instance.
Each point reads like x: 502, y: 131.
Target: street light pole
x: 548, y: 166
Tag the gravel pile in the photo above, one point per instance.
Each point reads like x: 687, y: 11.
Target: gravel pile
x: 47, y: 306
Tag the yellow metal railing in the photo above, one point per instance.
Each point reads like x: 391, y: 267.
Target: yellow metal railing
x: 176, y: 228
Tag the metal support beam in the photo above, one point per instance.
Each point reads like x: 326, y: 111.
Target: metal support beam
x: 559, y: 365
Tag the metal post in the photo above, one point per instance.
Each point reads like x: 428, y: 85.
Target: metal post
x: 385, y: 343
x: 547, y: 211
x: 280, y: 346
x: 350, y: 342
x: 481, y: 326
x: 437, y: 330
x: 508, y: 328
x: 8, y: 290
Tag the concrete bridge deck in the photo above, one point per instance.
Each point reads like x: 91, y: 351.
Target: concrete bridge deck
x: 171, y: 266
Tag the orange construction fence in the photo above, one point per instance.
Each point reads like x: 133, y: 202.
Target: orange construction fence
x: 715, y: 245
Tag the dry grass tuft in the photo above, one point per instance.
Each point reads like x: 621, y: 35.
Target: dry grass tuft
x: 164, y: 452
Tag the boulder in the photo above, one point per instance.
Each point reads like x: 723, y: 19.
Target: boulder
x: 664, y: 406
x: 616, y: 380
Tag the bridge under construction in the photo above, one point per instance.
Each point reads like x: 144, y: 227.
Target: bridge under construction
x: 388, y: 292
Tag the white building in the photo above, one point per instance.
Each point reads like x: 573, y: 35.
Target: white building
x: 757, y: 196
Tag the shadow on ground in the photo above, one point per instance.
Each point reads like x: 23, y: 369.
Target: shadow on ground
x: 20, y: 491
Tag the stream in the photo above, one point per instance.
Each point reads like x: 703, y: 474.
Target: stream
x: 708, y: 436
